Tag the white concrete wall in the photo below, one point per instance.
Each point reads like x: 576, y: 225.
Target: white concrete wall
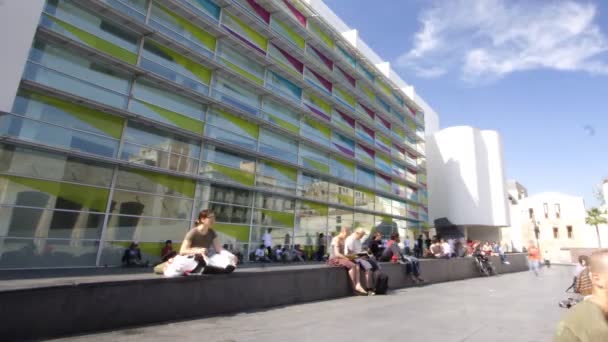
x: 572, y: 213
x: 466, y: 180
x: 18, y: 21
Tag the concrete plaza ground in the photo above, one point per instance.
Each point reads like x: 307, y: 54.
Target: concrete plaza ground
x: 511, y: 307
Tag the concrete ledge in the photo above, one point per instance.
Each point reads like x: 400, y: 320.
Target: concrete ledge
x: 49, y: 311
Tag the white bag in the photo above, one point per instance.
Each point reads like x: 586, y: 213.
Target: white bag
x: 222, y: 260
x: 180, y: 265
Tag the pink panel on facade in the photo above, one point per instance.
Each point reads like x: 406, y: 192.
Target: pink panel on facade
x: 323, y: 81
x: 348, y: 77
x: 328, y: 62
x: 384, y: 122
x: 347, y: 118
x: 369, y: 112
x: 261, y: 11
x: 292, y: 60
x: 299, y: 16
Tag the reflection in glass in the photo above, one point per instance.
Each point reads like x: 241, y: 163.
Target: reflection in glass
x: 24, y: 253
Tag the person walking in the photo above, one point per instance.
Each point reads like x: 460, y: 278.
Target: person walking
x: 533, y: 257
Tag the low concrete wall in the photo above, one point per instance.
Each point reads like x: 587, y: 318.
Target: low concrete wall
x: 62, y: 310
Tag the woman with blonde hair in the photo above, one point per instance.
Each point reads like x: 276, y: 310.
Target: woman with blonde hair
x: 338, y: 259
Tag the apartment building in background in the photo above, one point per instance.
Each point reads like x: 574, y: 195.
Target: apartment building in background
x: 121, y: 119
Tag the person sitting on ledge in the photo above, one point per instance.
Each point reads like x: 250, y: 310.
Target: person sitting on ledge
x: 412, y: 264
x: 200, y: 239
x: 132, y: 256
x: 436, y: 249
x: 167, y: 251
x: 354, y: 247
x: 337, y: 258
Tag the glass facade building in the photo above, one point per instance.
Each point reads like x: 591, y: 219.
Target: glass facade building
x: 133, y: 115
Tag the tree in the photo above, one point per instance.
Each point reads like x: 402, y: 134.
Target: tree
x: 595, y: 218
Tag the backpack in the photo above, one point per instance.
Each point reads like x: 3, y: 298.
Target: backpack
x: 381, y: 284
x: 583, y: 283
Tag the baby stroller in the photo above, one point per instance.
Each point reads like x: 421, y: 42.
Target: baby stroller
x: 484, y: 265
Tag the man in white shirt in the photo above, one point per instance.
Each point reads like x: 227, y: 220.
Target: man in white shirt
x: 267, y: 239
x: 354, y: 245
x: 447, y: 250
x: 260, y: 254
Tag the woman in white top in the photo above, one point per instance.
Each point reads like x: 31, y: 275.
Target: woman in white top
x: 338, y: 259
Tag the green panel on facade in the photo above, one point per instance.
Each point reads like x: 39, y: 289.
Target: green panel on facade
x: 238, y: 176
x: 111, y: 125
x: 243, y: 72
x: 98, y: 43
x: 250, y: 128
x: 86, y: 196
x: 287, y: 171
x: 252, y: 34
x: 177, y: 119
x: 288, y: 33
x: 201, y: 72
x: 346, y: 199
x: 240, y: 233
x: 317, y: 165
x: 201, y: 35
x: 321, y: 209
x: 283, y: 123
x: 324, y: 130
x: 325, y: 38
x: 184, y: 186
x: 346, y: 163
x: 285, y: 219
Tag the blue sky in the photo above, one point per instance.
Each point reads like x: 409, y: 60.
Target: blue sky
x: 536, y: 71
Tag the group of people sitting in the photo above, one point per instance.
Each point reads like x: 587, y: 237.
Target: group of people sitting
x: 346, y: 250
x: 450, y: 248
x: 279, y: 254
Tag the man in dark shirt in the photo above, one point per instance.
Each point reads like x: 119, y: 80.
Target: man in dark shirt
x: 375, y: 247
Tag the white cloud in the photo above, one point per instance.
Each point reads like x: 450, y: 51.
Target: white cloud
x: 487, y: 39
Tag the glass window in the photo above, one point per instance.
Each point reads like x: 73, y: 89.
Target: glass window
x: 236, y: 95
x: 344, y: 121
x: 340, y: 193
x: 364, y: 199
x: 223, y: 194
x: 338, y: 218
x: 30, y: 222
x: 311, y: 222
x: 283, y: 86
x: 21, y: 191
x: 276, y: 177
x: 156, y: 183
x: 399, y: 208
x: 182, y: 30
x: 134, y: 8
x: 365, y: 177
x: 208, y: 7
x: 317, y: 105
x: 318, y: 81
x: 87, y: 28
x: 272, y: 218
x: 383, y: 183
x: 278, y: 146
x: 81, y: 128
x: 149, y: 94
x: 365, y: 221
x: 225, y: 213
x: 152, y: 147
x: 342, y: 168
x: 26, y: 253
x: 281, y: 115
x: 365, y: 133
x: 364, y: 154
x: 32, y: 163
x: 313, y: 159
x: 138, y: 204
x: 286, y: 60
x: 343, y: 144
x: 383, y: 163
x: 315, y: 131
x: 227, y: 166
x: 312, y: 187
x: 244, y: 133
x: 172, y: 65
x: 384, y: 205
x: 149, y: 231
x: 240, y: 64
x: 51, y: 64
x: 274, y: 202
